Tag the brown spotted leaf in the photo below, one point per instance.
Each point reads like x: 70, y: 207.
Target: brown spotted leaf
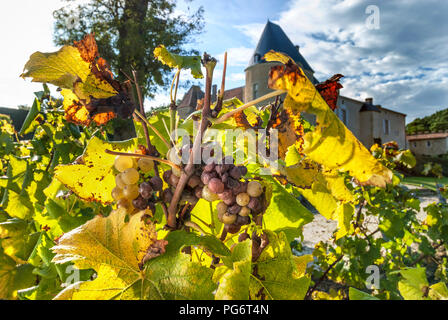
x: 94, y: 178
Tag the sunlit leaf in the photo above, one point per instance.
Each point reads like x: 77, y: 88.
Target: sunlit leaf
x: 94, y: 179
x: 179, y: 62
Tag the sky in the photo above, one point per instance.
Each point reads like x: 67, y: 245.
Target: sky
x: 402, y: 63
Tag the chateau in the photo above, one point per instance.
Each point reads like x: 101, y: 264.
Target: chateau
x: 369, y: 122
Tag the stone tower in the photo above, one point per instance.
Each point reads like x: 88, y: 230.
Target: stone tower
x: 272, y: 38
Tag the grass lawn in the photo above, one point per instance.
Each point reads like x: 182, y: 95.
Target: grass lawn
x: 426, y: 182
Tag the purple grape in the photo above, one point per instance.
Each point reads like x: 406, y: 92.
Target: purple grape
x: 243, y: 236
x: 215, y: 185
x: 167, y: 195
x: 140, y: 203
x: 236, y: 173
x: 242, y: 221
x: 145, y: 190
x: 194, y: 181
x: 157, y: 183
x: 232, y: 183
x: 232, y: 228
x: 167, y: 175
x: 226, y: 194
x: 235, y: 209
x: 209, y: 167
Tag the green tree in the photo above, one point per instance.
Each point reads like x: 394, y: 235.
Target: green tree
x: 128, y: 31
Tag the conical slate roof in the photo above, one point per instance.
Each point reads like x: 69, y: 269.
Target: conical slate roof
x: 274, y: 38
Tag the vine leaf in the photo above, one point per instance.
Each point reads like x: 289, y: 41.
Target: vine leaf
x: 355, y: 294
x: 90, y: 88
x: 276, y: 273
x: 329, y: 90
x: 94, y: 178
x: 179, y: 62
x: 116, y: 249
x: 413, y: 284
x: 14, y: 277
x: 285, y: 213
x: 234, y: 276
x: 330, y: 143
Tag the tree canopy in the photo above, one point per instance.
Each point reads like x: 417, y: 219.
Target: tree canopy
x: 435, y: 122
x: 128, y: 31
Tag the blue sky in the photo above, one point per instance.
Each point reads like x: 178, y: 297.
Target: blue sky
x: 403, y: 65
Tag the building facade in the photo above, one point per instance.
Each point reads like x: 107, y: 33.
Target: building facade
x: 430, y: 144
x: 369, y: 123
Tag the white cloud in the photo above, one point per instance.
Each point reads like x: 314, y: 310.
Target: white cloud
x: 402, y: 65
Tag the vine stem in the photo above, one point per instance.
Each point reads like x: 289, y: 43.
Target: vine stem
x: 173, y: 107
x: 209, y: 64
x: 143, y: 118
x: 137, y: 155
x: 247, y: 105
x: 142, y: 111
x: 310, y: 291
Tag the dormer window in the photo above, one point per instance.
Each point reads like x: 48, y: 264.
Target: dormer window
x: 257, y: 58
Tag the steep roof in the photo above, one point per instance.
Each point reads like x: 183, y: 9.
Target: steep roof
x: 274, y: 38
x: 191, y: 98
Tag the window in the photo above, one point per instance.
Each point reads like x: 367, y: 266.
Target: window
x: 256, y: 57
x: 255, y: 91
x: 415, y: 144
x: 343, y: 115
x: 428, y: 143
x: 386, y: 126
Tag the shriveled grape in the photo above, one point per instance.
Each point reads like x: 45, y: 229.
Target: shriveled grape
x: 156, y: 183
x: 235, y: 209
x: 232, y: 228
x: 216, y: 186
x: 145, y: 190
x: 167, y: 195
x: 194, y: 181
x: 221, y: 208
x: 140, y: 203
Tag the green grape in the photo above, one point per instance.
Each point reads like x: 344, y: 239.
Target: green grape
x: 119, y: 181
x: 117, y: 193
x: 177, y: 171
x: 145, y: 165
x: 123, y: 163
x: 130, y: 176
x: 242, y: 199
x: 130, y: 191
x: 254, y: 189
x: 208, y: 195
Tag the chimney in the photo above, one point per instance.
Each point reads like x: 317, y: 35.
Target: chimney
x: 369, y: 100
x: 297, y: 47
x: 214, y: 93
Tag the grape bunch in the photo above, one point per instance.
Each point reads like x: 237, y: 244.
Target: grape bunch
x: 239, y: 199
x: 220, y: 181
x: 135, y: 190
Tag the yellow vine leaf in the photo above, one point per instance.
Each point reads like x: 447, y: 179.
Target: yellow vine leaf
x: 93, y: 179
x: 117, y: 249
x: 330, y: 143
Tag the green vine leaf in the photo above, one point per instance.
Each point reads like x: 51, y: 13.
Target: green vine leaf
x: 285, y: 213
x: 14, y: 277
x: 276, y: 273
x: 413, y: 284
